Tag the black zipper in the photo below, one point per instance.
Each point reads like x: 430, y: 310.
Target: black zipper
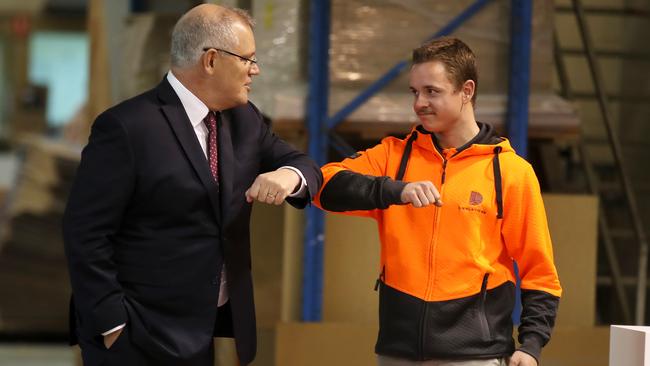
x: 485, y: 328
x: 423, y: 321
x: 444, y: 170
x: 381, y: 278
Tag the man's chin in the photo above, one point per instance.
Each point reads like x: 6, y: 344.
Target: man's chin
x: 428, y: 123
x: 240, y: 101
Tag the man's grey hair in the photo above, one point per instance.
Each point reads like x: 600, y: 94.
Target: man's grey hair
x: 193, y: 33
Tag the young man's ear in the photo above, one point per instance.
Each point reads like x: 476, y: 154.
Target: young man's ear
x: 469, y: 87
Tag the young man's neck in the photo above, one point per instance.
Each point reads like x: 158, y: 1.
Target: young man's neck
x: 463, y: 131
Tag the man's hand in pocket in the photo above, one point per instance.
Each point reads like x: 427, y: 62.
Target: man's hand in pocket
x: 110, y: 338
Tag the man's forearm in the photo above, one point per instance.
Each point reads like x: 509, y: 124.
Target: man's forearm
x: 349, y: 191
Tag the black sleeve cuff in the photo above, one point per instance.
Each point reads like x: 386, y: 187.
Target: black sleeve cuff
x: 392, y: 191
x: 532, y: 344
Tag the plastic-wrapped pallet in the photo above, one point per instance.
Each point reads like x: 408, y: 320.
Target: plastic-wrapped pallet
x: 370, y: 36
x: 281, y: 33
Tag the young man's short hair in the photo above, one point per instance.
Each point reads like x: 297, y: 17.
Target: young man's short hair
x: 458, y: 58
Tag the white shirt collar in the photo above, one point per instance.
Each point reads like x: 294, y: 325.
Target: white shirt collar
x: 195, y: 109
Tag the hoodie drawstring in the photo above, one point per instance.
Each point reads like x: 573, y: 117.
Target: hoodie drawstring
x: 497, y: 181
x: 405, y: 156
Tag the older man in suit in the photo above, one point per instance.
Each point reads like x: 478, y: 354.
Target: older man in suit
x: 157, y: 224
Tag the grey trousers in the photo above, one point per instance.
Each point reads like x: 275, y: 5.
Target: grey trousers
x: 390, y: 361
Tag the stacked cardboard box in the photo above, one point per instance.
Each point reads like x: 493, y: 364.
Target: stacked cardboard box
x: 34, y: 286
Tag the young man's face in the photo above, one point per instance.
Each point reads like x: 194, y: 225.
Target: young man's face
x: 436, y: 101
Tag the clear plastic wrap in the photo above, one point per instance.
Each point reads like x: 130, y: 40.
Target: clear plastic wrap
x: 370, y: 36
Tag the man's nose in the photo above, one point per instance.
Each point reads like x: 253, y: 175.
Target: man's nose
x: 420, y: 102
x: 254, y: 69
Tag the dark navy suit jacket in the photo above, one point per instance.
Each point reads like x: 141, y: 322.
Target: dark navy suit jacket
x: 147, y: 230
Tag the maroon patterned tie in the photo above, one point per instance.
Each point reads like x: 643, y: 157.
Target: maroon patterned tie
x: 211, y: 123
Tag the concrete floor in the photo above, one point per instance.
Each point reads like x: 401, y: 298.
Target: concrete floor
x: 36, y: 355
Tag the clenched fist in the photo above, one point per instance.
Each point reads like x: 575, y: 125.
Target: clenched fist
x: 421, y: 194
x: 273, y: 187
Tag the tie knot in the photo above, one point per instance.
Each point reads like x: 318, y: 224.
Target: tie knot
x: 211, y: 121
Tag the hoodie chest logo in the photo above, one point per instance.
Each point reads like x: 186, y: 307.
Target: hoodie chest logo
x: 475, y: 198
x: 474, y: 204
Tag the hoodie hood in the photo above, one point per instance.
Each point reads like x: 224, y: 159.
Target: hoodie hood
x: 482, y: 144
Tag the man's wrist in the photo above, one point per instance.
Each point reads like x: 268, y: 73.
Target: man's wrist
x: 302, y: 184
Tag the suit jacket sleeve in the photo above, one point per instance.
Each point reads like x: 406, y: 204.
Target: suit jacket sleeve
x: 277, y: 153
x: 96, y: 205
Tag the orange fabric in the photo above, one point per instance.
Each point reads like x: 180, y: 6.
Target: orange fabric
x: 438, y: 254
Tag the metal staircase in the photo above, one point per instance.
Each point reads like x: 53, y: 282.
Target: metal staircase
x: 606, y: 172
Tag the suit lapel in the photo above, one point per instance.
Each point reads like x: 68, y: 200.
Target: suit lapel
x: 226, y: 165
x: 180, y: 124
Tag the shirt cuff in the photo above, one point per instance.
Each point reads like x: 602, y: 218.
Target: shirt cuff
x: 114, y: 329
x: 302, y: 191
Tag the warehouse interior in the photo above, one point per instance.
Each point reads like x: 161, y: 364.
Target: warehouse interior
x: 580, y: 118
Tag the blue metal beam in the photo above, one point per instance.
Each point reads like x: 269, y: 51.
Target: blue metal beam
x: 519, y: 82
x: 396, y: 70
x: 521, y: 17
x: 317, y: 111
x: 340, y: 145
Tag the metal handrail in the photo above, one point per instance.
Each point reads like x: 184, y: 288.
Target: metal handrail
x: 606, y: 236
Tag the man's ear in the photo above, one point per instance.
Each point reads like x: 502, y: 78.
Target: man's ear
x: 468, y: 90
x: 208, y: 60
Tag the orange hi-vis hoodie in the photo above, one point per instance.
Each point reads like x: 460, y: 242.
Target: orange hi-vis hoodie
x: 447, y: 279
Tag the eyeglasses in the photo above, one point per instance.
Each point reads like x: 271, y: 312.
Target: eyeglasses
x: 247, y: 61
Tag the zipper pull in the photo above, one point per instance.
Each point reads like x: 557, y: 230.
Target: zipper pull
x: 444, y: 170
x: 382, y: 277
